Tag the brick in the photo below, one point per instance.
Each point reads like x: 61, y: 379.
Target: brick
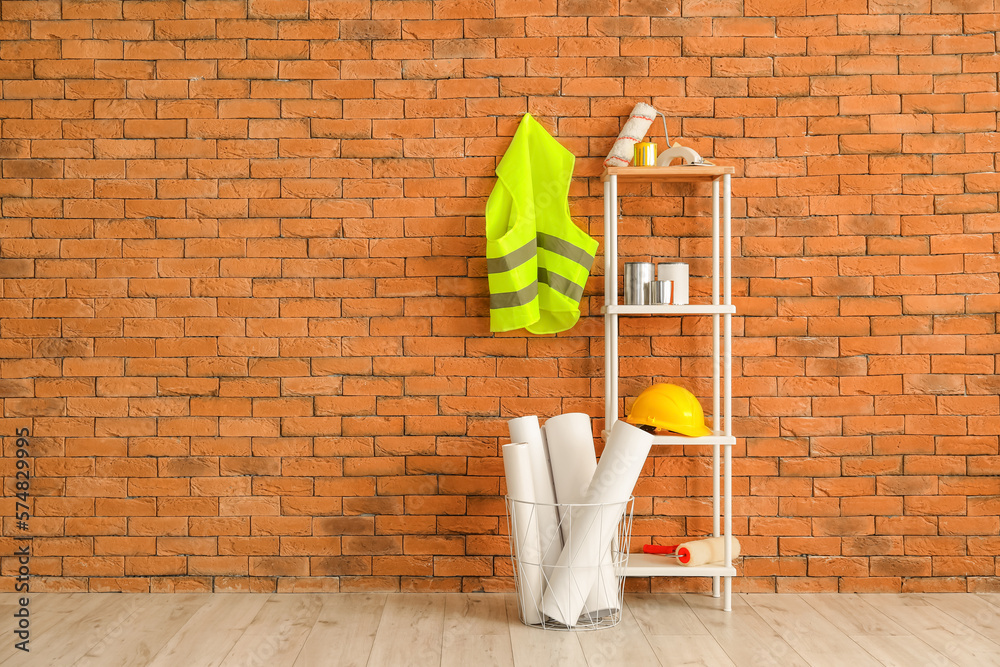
x: 900, y: 566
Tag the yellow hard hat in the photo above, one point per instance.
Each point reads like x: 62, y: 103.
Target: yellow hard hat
x: 670, y: 408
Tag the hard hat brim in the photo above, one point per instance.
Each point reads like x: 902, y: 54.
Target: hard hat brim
x: 690, y: 430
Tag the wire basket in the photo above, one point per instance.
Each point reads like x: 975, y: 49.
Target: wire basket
x: 569, y: 562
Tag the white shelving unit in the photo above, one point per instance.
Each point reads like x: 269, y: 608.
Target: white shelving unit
x: 721, y: 310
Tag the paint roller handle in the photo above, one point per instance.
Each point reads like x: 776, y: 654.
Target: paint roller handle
x: 658, y: 549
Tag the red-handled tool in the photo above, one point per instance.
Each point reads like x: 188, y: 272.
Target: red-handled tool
x: 696, y: 552
x: 683, y: 555
x: 659, y: 549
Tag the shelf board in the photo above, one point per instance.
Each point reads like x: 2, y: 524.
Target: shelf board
x: 655, y: 565
x: 681, y: 440
x: 674, y: 440
x: 686, y: 174
x: 692, y: 309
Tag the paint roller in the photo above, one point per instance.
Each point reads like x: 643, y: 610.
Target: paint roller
x: 635, y: 129
x: 696, y: 552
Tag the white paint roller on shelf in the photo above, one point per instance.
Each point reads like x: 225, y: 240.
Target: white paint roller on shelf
x: 703, y: 552
x: 697, y: 552
x: 635, y: 129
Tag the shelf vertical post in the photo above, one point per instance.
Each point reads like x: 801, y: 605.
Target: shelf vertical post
x: 715, y: 369
x: 608, y: 301
x: 728, y: 398
x: 611, y: 298
x: 607, y: 243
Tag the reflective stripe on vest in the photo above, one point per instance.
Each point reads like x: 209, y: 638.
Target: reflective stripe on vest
x: 555, y: 281
x: 538, y: 260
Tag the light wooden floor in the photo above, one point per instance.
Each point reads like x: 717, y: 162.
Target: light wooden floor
x: 240, y: 629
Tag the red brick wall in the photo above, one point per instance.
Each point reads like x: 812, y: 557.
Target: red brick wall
x: 243, y: 305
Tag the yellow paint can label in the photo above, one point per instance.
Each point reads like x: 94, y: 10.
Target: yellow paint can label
x: 645, y: 154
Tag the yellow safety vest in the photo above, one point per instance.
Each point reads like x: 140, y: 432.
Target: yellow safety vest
x: 537, y: 259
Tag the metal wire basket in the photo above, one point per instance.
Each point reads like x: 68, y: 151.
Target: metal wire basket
x: 569, y: 556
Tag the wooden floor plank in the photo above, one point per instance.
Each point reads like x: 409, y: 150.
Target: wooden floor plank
x: 852, y: 616
x: 901, y: 651
x: 533, y: 647
x: 277, y: 632
x: 970, y: 610
x: 410, y: 631
x: 475, y: 614
x: 492, y: 650
x: 745, y: 637
x: 48, y: 611
x: 211, y: 631
x: 475, y: 631
x: 963, y: 645
x: 664, y: 615
x: 624, y: 644
x: 344, y: 631
x: 81, y: 628
x: 42, y: 603
x: 701, y: 650
x: 137, y: 641
x: 992, y: 598
x: 813, y: 637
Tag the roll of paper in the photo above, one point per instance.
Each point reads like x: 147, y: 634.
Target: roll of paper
x: 570, y: 440
x: 520, y: 489
x: 702, y: 552
x: 595, y: 525
x: 527, y: 430
x: 638, y: 123
x: 571, y: 454
x: 618, y: 460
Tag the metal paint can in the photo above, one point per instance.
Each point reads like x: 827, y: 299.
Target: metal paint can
x: 645, y: 154
x: 658, y: 292
x: 637, y: 275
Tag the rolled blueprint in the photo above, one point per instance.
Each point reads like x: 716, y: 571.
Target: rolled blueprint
x: 570, y: 440
x: 526, y: 430
x: 520, y: 489
x: 595, y: 524
x: 638, y: 123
